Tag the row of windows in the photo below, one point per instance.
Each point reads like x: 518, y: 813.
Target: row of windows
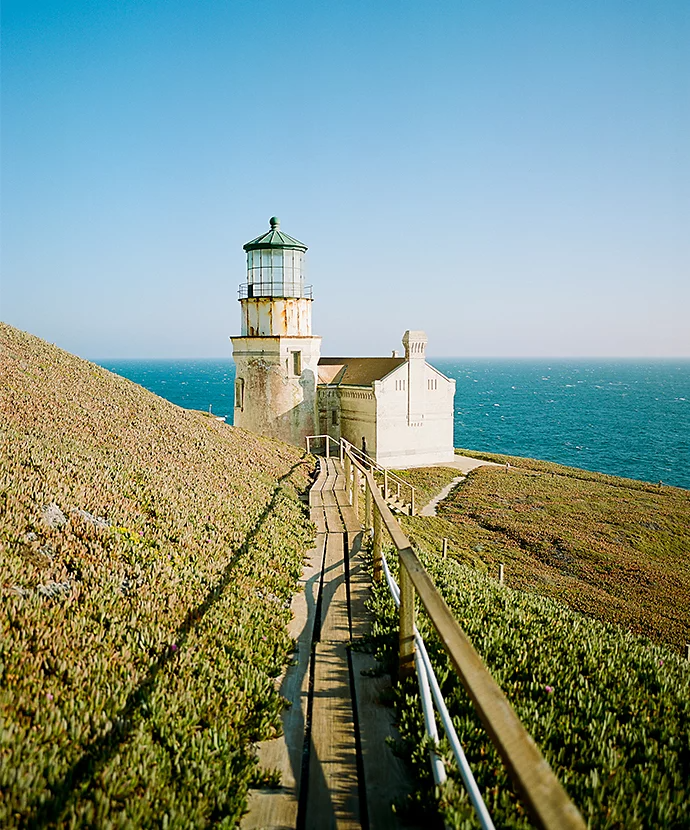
x: 266, y: 266
x: 431, y: 384
x: 275, y: 257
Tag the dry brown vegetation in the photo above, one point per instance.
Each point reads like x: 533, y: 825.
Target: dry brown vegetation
x: 148, y: 555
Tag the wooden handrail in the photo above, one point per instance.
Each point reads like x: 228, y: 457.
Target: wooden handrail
x: 541, y: 791
x: 388, y: 475
x: 365, y: 461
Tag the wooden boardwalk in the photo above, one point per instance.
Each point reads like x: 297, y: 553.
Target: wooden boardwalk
x: 336, y: 769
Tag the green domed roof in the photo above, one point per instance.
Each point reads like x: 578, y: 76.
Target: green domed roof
x: 274, y: 238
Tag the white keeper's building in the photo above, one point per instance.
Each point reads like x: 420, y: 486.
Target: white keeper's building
x: 399, y: 410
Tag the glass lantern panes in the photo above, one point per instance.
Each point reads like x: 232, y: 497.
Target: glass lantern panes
x: 275, y: 272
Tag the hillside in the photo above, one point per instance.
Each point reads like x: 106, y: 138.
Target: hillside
x: 613, y: 548
x: 148, y: 558
x: 608, y: 708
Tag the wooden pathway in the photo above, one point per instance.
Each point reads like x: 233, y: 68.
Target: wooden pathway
x: 336, y: 769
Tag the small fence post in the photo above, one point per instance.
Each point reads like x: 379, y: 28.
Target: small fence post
x: 308, y: 444
x: 378, y: 562
x: 357, y: 491
x: 406, y: 643
x: 385, y: 484
x: 445, y: 547
x: 500, y: 573
x: 367, y: 504
x: 687, y: 651
x: 412, y: 511
x: 328, y: 448
x: 348, y: 478
x: 342, y: 450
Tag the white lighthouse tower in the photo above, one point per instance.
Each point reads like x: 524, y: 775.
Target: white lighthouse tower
x: 276, y: 357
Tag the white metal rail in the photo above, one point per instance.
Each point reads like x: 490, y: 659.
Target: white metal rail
x: 428, y: 681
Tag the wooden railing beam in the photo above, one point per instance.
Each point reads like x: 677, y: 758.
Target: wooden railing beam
x: 406, y: 645
x: 377, y: 544
x: 541, y: 791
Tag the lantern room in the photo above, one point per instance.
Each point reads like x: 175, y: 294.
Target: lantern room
x: 275, y: 265
x: 275, y: 301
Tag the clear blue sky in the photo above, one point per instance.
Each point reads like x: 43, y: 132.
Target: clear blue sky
x: 513, y: 177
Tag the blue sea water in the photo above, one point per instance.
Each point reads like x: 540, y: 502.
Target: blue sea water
x: 625, y: 417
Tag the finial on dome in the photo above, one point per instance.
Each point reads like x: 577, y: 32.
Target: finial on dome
x: 275, y: 223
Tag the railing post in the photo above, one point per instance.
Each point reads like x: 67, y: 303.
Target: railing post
x: 385, y: 484
x: 348, y: 478
x: 378, y: 562
x: 308, y: 443
x: 342, y: 450
x: 412, y: 513
x: 328, y: 447
x: 406, y: 644
x: 367, y: 505
x: 357, y: 489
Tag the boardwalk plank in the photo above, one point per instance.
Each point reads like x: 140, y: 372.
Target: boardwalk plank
x: 333, y: 473
x: 350, y: 520
x: 334, y: 521
x: 335, y: 623
x: 333, y: 791
x: 386, y: 777
x: 318, y: 516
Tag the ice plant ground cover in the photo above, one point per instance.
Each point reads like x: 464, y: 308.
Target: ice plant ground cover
x: 148, y: 556
x: 609, y: 708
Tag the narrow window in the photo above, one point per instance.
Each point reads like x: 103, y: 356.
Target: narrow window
x: 297, y: 363
x: 239, y: 393
x: 334, y: 417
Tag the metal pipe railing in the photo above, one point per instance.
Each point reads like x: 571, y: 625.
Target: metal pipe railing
x: 437, y: 767
x: 534, y: 779
x: 431, y: 682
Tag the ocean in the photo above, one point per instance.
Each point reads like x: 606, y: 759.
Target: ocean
x: 624, y: 417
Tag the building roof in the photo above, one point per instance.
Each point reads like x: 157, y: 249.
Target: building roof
x: 275, y: 238
x: 356, y: 371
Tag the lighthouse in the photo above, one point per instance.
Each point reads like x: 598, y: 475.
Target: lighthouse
x: 276, y: 356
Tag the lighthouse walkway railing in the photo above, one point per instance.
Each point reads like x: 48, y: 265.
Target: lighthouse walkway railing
x: 535, y: 781
x: 394, y: 489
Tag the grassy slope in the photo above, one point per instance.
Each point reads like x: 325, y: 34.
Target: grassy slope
x: 609, y: 710
x: 613, y: 548
x: 137, y: 657
x: 428, y: 481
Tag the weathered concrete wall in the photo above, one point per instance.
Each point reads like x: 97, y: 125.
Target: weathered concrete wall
x: 276, y: 317
x: 271, y: 397
x: 329, y: 422
x: 358, y: 417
